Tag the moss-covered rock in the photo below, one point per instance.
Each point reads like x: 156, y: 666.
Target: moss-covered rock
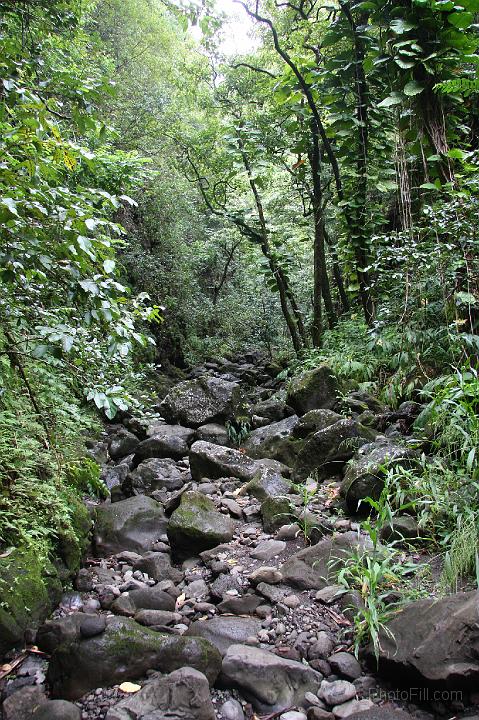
x: 326, y: 451
x: 29, y: 589
x: 273, y: 441
x: 72, y: 546
x: 275, y: 512
x: 196, y: 525
x: 266, y: 483
x: 315, y: 389
x: 202, y: 400
x: 125, y: 651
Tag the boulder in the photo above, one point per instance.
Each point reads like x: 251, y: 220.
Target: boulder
x: 158, y: 566
x: 202, y: 400
x: 315, y: 389
x: 151, y: 598
x: 196, y: 525
x: 313, y: 421
x: 223, y: 631
x: 213, y: 433
x: 124, y: 652
x: 21, y: 704
x: 184, y: 694
x: 313, y: 568
x: 364, y: 476
x: 432, y: 642
x: 275, y: 512
x: 266, y: 484
x: 155, y: 474
x: 29, y: 590
x: 273, y: 441
x: 268, y: 681
x: 215, y: 461
x: 57, y: 710
x: 326, y: 451
x: 274, y: 409
x: 122, y: 443
x: 385, y: 712
x: 132, y: 524
x: 169, y: 441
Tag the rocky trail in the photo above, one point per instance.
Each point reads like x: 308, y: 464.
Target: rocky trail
x: 201, y: 597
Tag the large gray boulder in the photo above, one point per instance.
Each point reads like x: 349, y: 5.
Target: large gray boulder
x: 268, y: 681
x: 122, y: 443
x: 325, y: 452
x: 267, y: 483
x: 313, y: 421
x: 155, y: 474
x: 433, y: 642
x: 56, y: 710
x: 184, y: 694
x: 202, y: 400
x: 315, y: 567
x: 168, y: 441
x: 215, y: 461
x: 223, y: 631
x: 213, y: 433
x: 364, y: 476
x: 125, y: 651
x: 196, y: 525
x: 132, y: 524
x: 315, y: 389
x: 272, y: 441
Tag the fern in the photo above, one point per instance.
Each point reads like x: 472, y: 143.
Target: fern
x: 462, y: 86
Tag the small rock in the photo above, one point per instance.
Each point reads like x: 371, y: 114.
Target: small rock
x: 343, y: 663
x: 316, y: 713
x: 232, y: 710
x: 336, y: 692
x: 288, y: 532
x: 268, y: 549
x: 292, y: 602
x: 330, y: 594
x: 352, y: 707
x: 293, y: 715
x: 92, y: 625
x: 322, y: 648
x: 266, y: 574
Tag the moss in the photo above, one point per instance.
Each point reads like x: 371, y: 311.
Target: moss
x: 276, y: 511
x: 29, y: 587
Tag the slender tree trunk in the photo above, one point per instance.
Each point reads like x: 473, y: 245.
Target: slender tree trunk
x: 337, y: 274
x: 322, y: 288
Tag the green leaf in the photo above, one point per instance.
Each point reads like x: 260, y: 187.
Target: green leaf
x: 456, y: 154
x: 10, y: 204
x: 401, y: 26
x: 109, y: 266
x: 461, y: 20
x: 413, y: 88
x: 393, y: 99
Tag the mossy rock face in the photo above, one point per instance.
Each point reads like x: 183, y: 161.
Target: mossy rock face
x: 72, y: 548
x: 202, y: 400
x: 125, y: 651
x: 196, y: 526
x: 315, y: 389
x: 364, y: 476
x: 276, y: 511
x: 29, y: 589
x: 314, y: 421
x: 265, y: 484
x: 272, y: 441
x: 326, y: 451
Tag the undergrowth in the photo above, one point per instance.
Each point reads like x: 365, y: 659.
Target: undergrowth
x: 42, y: 476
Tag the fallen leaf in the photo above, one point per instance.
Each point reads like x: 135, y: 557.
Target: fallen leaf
x: 128, y: 687
x: 180, y: 601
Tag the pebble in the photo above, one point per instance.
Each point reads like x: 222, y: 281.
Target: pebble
x: 293, y: 715
x: 336, y: 692
x: 232, y: 710
x: 268, y: 549
x: 321, y: 648
x: 266, y: 574
x: 292, y: 602
x: 352, y: 707
x: 345, y: 664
